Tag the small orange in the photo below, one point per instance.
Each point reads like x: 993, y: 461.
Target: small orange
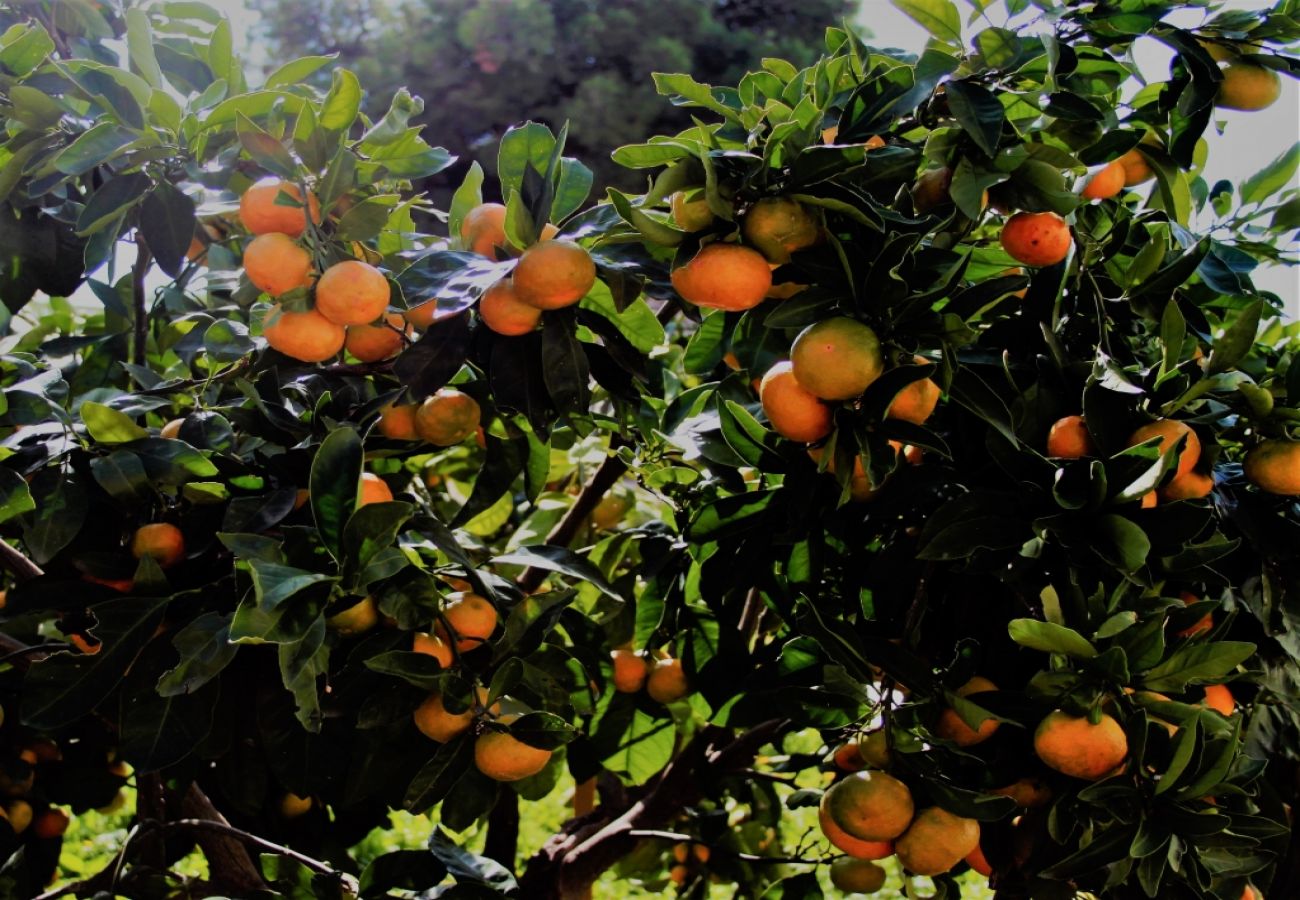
x: 304, y: 336
x: 1069, y: 439
x: 471, y: 617
x: 691, y: 215
x: 275, y: 263
x: 916, y: 402
x: 352, y: 293
x: 1029, y: 793
x: 484, y: 229
x: 1136, y: 167
x: 836, y: 358
x: 398, y: 422
x: 503, y: 757
x: 260, y: 214
x: 161, y: 541
x: 795, y: 413
x: 433, y: 645
x: 1074, y: 746
x: 1169, y: 431
x: 373, y: 489
x: 1200, y: 626
x: 172, y: 430
x: 503, y: 312
x: 780, y: 226
x: 857, y: 876
x: 629, y: 670
x: 51, y: 823
x: 371, y: 343
x: 724, y: 276
x: 447, y: 417
x: 436, y: 723
x: 860, y: 489
x: 1105, y: 182
x: 1036, y: 239
x: 554, y: 274
x: 356, y: 619
x: 848, y: 757
x: 667, y: 681
x: 854, y: 847
x: 1248, y: 86
x: 292, y: 806
x: 932, y: 189
x: 936, y: 841
x: 1218, y: 697
x: 953, y: 727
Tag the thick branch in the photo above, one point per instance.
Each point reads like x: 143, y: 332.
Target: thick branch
x: 143, y: 258
x: 502, y: 842
x: 228, y: 861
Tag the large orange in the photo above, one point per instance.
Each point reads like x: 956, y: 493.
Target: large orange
x: 1247, y: 86
x: 667, y: 681
x: 953, y: 728
x: 161, y: 541
x: 857, y: 876
x: 503, y: 757
x: 373, y: 489
x: 371, y: 343
x: 262, y: 215
x: 1036, y: 239
x: 503, y: 312
x: 484, y: 229
x: 434, y: 721
x: 554, y: 274
x: 837, y: 358
x: 1169, y: 431
x: 975, y: 859
x: 936, y: 841
x: 433, y: 645
x: 447, y: 417
x: 1274, y: 466
x: 1075, y: 747
x: 1068, y: 438
x: 916, y: 402
x: 691, y: 215
x: 471, y: 617
x: 304, y: 336
x: 629, y: 670
x: 398, y: 422
x: 870, y: 806
x: 724, y: 276
x: 854, y: 847
x: 352, y: 293
x: 275, y: 263
x: 1105, y: 182
x: 795, y: 413
x: 358, y: 618
x: 780, y: 226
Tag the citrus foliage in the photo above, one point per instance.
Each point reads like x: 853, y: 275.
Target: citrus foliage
x: 342, y: 521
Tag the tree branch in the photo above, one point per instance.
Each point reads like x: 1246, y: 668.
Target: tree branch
x: 22, y: 568
x: 228, y: 860
x: 502, y: 842
x: 138, y: 272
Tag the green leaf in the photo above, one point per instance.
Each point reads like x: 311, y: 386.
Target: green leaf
x: 334, y: 484
x: 93, y: 147
x: 467, y: 196
x: 269, y: 616
x: 15, y: 495
x: 110, y: 426
x: 296, y: 71
x: 1050, y: 638
x: 1197, y: 664
x: 978, y: 112
x: 367, y: 219
x: 939, y: 17
x: 418, y: 669
x: 572, y: 189
x: 1236, y: 341
x: 24, y: 47
x: 111, y: 201
x: 1000, y: 47
x: 1184, y: 744
x: 372, y: 528
x: 302, y: 663
x: 122, y: 475
x: 205, y: 650
x: 564, y: 369
x: 562, y: 560
x: 686, y: 91
x: 342, y: 103
x: 264, y: 149
x: 523, y: 147
x: 1272, y: 178
x: 61, y: 506
x: 439, y: 775
x: 1121, y: 542
x: 167, y: 222
x: 139, y: 44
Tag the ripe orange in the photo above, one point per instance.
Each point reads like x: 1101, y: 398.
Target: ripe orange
x: 352, y: 293
x: 780, y: 226
x: 503, y: 757
x: 554, y: 274
x: 304, y: 336
x: 1030, y: 793
x: 260, y: 214
x: 1136, y: 168
x: 421, y: 315
x: 1202, y: 625
x: 848, y: 757
x: 795, y: 413
x: 874, y: 749
x: 1248, y: 86
x: 836, y: 358
x: 1036, y: 239
x: 50, y: 824
x: 724, y: 276
x: 629, y: 670
x: 503, y: 312
x: 1218, y: 697
x: 162, y: 541
x: 292, y: 806
x: 398, y: 422
x: 1169, y: 431
x: 84, y: 644
x: 1069, y: 439
x: 434, y: 722
x: 433, y: 645
x: 936, y: 841
x: 860, y: 489
x: 1149, y: 500
x: 678, y: 874
x: 358, y: 618
x: 371, y: 343
x: 691, y: 215
x: 1274, y: 466
x: 854, y: 847
x: 1075, y: 747
x: 953, y: 728
x: 916, y: 402
x: 975, y: 859
x: 857, y: 876
x: 1188, y: 486
x: 373, y: 489
x: 931, y: 189
x: 484, y: 229
x: 1106, y: 182
x: 472, y: 619
x: 275, y: 263
x: 870, y: 806
x: 667, y: 681
x: 172, y: 430
x: 447, y: 417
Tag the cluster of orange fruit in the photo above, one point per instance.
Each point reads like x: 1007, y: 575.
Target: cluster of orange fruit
x: 686, y: 858
x: 665, y: 681
x: 18, y: 778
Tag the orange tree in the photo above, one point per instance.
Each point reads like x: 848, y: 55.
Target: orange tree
x: 907, y: 475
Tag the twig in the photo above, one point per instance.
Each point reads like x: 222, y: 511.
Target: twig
x: 236, y: 368
x: 22, y: 568
x: 374, y: 368
x: 143, y: 258
x: 723, y: 851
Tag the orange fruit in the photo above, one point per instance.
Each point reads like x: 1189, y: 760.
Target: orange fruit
x: 667, y: 681
x: 503, y: 757
x: 857, y: 876
x: 678, y: 874
x: 358, y: 618
x: 352, y: 293
x: 1188, y: 486
x: 848, y: 757
x: 373, y: 489
x: 1029, y: 793
x: 50, y: 824
x: 1149, y: 500
x: 975, y: 859
x: 953, y: 728
x: 1136, y: 168
x: 836, y: 358
x: 260, y: 214
x: 778, y: 227
x: 471, y: 617
x: 197, y: 250
x: 1068, y: 438
x: 830, y: 135
x: 484, y: 229
x: 1274, y: 466
x: 19, y: 814
x: 691, y: 215
x: 1075, y: 747
x: 304, y: 336
x: 161, y: 541
x: 931, y: 189
x: 629, y: 670
x: 433, y: 645
x: 275, y: 263
x: 610, y: 510
x: 870, y: 806
x: 1247, y: 86
x: 503, y: 312
x: 860, y: 489
x: 724, y: 276
x: 172, y: 430
x: 916, y: 402
x: 1169, y: 431
x: 1218, y: 697
x: 371, y: 343
x: 1202, y: 625
x: 1106, y: 182
x: 84, y: 644
x: 447, y: 417
x: 847, y: 843
x: 436, y: 723
x: 874, y: 749
x: 121, y: 585
x: 936, y: 841
x: 1036, y: 239
x: 292, y: 806
x: 398, y: 422
x: 422, y: 315
x: 554, y: 274
x: 795, y: 413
